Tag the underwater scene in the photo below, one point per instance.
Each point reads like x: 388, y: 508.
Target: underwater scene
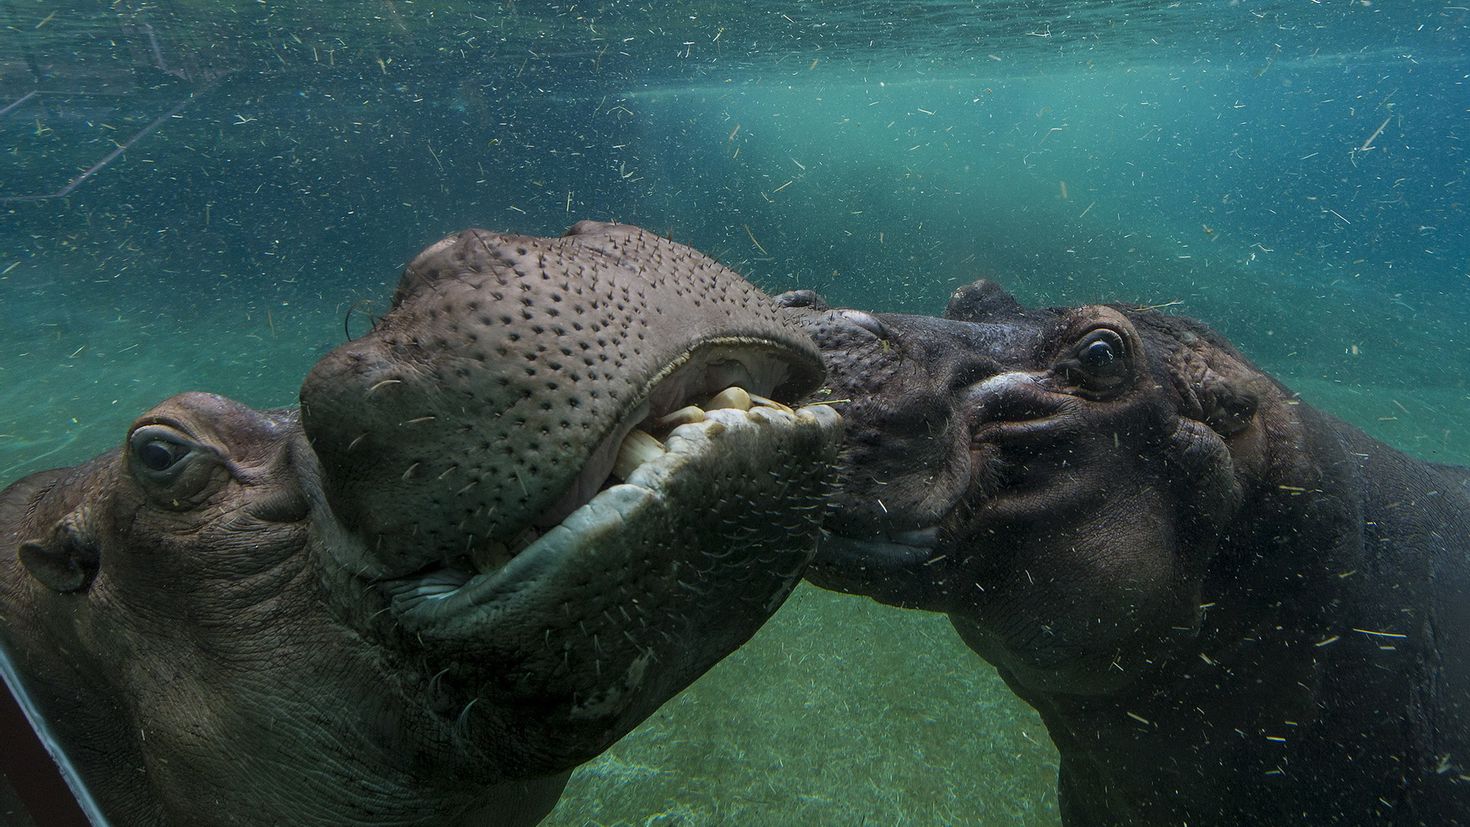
x: 211, y: 196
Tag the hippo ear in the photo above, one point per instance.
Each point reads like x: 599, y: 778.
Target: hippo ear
x: 1227, y: 406
x: 1220, y: 442
x: 980, y: 301
x: 1216, y: 385
x: 67, y: 561
x: 1223, y: 401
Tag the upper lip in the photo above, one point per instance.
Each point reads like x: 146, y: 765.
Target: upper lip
x: 914, y: 545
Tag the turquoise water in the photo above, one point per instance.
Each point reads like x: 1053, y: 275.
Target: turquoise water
x: 1292, y: 173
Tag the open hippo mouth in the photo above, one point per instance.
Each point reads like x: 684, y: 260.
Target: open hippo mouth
x: 564, y: 471
x: 663, y: 460
x: 692, y: 419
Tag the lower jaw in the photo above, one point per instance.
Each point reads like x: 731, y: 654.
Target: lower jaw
x: 886, y: 552
x: 898, y: 573
x: 643, y: 588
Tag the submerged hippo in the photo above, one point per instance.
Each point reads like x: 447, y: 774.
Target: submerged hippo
x: 1229, y: 608
x: 496, y: 536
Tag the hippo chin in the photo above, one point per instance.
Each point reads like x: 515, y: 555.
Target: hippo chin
x: 495, y: 537
x: 1228, y: 607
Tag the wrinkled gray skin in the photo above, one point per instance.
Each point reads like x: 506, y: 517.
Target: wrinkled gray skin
x: 247, y: 617
x: 1228, y: 607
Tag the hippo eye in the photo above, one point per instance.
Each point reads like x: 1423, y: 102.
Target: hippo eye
x: 1098, y: 355
x: 1099, y: 363
x: 158, y: 452
x: 158, y: 455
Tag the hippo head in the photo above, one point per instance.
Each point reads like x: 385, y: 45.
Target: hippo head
x: 1054, y: 479
x: 552, y: 486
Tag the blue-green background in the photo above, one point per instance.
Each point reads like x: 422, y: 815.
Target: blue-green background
x: 1226, y: 156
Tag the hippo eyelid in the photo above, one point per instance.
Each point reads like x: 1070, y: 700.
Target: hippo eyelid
x: 179, y: 448
x: 1100, y: 364
x: 1106, y: 334
x: 802, y: 298
x: 1115, y: 341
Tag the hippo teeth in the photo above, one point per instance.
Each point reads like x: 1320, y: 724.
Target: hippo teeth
x: 733, y: 397
x: 640, y: 446
x: 771, y: 403
x: 684, y: 416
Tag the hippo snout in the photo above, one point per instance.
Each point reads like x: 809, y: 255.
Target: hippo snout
x: 496, y: 395
x: 586, y: 442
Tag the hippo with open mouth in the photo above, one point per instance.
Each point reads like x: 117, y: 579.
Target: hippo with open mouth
x: 1229, y: 608
x: 551, y: 487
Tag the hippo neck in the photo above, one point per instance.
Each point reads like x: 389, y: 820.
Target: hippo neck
x: 1297, y: 627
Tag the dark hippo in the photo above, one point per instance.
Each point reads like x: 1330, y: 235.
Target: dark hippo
x: 494, y: 539
x: 1229, y: 608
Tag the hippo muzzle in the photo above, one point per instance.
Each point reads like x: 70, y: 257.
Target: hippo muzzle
x: 564, y: 466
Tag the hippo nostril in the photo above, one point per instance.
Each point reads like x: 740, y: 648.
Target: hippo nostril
x: 1012, y: 397
x: 866, y: 321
